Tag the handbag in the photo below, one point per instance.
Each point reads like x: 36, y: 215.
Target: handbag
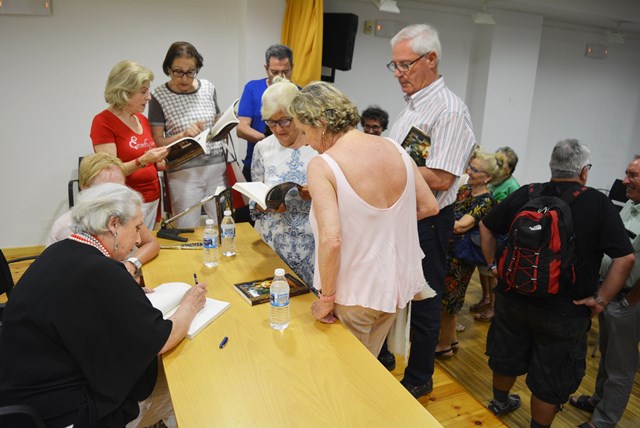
x: 234, y: 173
x: 467, y: 248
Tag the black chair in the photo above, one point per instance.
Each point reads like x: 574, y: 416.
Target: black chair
x: 6, y: 279
x: 73, y: 187
x: 20, y: 415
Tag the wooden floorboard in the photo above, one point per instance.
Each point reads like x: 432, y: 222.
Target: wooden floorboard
x: 469, y: 368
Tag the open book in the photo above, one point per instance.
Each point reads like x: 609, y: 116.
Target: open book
x: 417, y: 144
x: 187, y: 148
x: 266, y: 197
x: 166, y: 298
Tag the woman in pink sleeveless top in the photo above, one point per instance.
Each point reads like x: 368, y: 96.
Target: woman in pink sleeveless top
x: 367, y: 196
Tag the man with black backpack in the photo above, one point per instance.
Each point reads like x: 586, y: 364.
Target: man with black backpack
x: 547, y: 269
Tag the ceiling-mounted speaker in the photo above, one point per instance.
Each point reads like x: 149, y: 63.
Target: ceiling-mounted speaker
x: 596, y: 51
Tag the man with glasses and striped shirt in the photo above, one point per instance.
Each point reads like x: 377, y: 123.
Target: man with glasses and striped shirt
x: 444, y: 117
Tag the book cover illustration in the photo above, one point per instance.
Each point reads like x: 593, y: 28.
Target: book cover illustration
x: 257, y: 291
x: 417, y: 143
x: 267, y: 197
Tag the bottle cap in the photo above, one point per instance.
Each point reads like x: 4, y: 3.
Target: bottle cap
x: 209, y: 222
x: 279, y: 272
x: 227, y: 212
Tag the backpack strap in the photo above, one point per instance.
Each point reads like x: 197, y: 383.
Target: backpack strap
x: 535, y: 189
x: 572, y: 193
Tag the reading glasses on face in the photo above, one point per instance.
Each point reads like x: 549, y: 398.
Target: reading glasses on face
x: 403, y: 67
x: 372, y: 127
x: 284, y: 123
x: 180, y: 74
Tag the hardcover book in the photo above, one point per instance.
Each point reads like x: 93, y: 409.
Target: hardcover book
x: 166, y: 298
x: 257, y: 291
x: 266, y: 197
x: 417, y: 143
x: 187, y: 148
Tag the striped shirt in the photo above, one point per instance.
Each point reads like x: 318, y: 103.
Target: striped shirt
x: 445, y: 118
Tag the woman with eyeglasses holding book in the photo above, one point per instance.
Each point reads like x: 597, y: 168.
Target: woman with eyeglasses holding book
x: 280, y: 158
x: 80, y: 340
x: 124, y: 131
x: 184, y: 107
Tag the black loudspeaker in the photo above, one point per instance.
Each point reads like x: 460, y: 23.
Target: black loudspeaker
x: 338, y: 40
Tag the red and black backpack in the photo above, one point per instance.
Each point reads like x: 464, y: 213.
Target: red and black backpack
x: 538, y: 255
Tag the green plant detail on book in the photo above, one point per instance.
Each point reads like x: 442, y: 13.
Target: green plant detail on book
x: 417, y: 143
x: 257, y: 291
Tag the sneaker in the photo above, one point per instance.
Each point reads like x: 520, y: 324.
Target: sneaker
x: 499, y: 408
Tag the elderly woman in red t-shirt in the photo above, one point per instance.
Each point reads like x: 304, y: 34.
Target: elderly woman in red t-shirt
x: 124, y: 131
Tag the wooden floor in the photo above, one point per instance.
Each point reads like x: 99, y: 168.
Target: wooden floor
x: 469, y: 368
x: 462, y: 384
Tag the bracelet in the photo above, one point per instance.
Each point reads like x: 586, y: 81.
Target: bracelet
x: 599, y: 301
x: 325, y: 298
x: 139, y: 164
x: 492, y: 266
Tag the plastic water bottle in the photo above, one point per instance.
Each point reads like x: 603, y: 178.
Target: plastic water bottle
x: 228, y: 227
x: 279, y: 301
x: 210, y: 244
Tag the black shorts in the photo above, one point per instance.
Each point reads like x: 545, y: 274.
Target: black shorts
x: 549, y: 348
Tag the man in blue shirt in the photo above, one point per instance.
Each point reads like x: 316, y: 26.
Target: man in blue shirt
x: 278, y: 62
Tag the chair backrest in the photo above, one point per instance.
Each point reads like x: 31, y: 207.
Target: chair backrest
x: 618, y: 193
x: 6, y: 280
x: 20, y: 415
x: 73, y: 187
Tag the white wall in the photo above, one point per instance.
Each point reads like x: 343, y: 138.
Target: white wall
x: 54, y: 70
x: 597, y: 101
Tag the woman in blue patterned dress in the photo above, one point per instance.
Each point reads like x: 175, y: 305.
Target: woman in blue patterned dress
x: 278, y: 159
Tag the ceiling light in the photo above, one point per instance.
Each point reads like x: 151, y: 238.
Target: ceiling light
x: 389, y: 6
x: 483, y: 18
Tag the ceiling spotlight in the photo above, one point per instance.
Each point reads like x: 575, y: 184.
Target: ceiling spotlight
x: 389, y: 6
x: 483, y: 18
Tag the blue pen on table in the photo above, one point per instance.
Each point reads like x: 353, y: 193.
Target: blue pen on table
x: 224, y: 342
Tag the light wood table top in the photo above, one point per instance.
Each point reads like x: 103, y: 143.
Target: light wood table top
x: 309, y: 375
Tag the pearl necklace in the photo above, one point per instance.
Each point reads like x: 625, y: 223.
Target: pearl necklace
x: 92, y: 240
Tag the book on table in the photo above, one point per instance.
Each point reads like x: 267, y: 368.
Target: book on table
x: 265, y: 196
x: 187, y: 148
x: 257, y: 291
x: 166, y: 298
x: 417, y: 143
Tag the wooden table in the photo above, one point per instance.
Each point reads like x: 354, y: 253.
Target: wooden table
x: 310, y: 375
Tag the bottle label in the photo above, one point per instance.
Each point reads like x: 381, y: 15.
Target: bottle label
x: 228, y: 232
x: 280, y: 300
x: 209, y: 242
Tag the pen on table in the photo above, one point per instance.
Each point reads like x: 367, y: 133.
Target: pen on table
x: 224, y: 342
x: 195, y: 278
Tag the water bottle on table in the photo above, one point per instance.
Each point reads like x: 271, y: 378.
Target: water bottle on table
x: 279, y: 301
x: 210, y: 244
x: 228, y: 227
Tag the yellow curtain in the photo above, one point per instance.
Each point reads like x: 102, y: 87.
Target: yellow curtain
x: 302, y: 32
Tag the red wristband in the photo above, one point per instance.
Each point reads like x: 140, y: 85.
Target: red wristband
x: 325, y: 298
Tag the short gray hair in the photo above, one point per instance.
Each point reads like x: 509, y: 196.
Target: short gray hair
x: 278, y: 52
x: 568, y: 158
x: 424, y: 38
x: 97, y: 204
x: 277, y: 97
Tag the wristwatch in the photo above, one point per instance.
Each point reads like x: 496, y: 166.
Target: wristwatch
x: 599, y: 301
x: 135, y: 262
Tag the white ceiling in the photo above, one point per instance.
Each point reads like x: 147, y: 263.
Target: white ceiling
x: 605, y: 15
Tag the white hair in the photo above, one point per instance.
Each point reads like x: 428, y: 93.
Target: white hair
x: 424, y: 38
x: 96, y: 205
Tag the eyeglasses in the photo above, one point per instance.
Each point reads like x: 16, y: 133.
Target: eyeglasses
x: 403, y: 67
x: 372, y: 127
x: 180, y: 74
x: 588, y: 166
x: 284, y: 123
x: 473, y: 169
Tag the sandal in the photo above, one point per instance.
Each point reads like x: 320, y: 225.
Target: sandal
x: 479, y: 307
x: 455, y: 345
x: 501, y: 408
x: 445, y: 353
x: 582, y: 402
x: 485, y: 316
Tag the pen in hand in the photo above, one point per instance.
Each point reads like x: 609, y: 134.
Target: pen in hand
x: 195, y: 278
x: 224, y: 342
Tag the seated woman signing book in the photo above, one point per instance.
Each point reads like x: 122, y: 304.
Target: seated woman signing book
x: 80, y: 339
x: 277, y: 159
